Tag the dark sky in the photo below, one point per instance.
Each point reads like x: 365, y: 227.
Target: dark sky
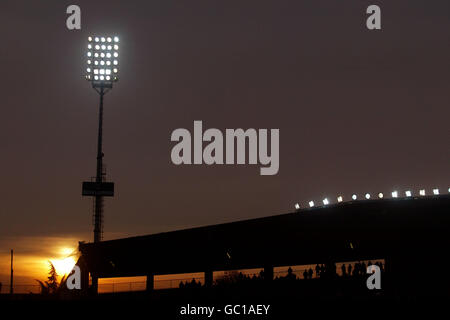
x: 358, y: 110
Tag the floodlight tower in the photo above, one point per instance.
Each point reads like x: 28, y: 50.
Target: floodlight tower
x: 101, y: 71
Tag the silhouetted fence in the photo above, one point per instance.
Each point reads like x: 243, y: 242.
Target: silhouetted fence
x: 228, y: 277
x: 22, y: 288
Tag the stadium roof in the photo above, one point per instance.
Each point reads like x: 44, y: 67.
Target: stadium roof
x: 399, y: 228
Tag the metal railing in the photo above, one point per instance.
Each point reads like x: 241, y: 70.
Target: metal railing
x: 115, y: 287
x: 21, y: 288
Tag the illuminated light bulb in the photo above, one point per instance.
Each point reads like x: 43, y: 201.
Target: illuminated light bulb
x: 325, y: 201
x: 394, y: 194
x: 436, y: 191
x: 311, y: 204
x: 408, y: 193
x: 380, y: 195
x: 422, y: 192
x: 339, y: 199
x: 297, y: 206
x: 367, y: 196
x: 354, y: 197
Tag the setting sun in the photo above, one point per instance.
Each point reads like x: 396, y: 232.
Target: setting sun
x: 65, y: 262
x: 63, y: 266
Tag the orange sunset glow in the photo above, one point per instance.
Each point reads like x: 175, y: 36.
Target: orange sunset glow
x: 31, y: 260
x: 63, y: 265
x: 224, y: 159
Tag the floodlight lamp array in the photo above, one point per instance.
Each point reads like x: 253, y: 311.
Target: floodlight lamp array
x: 102, y: 60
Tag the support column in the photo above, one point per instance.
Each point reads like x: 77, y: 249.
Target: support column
x: 150, y: 282
x: 84, y: 279
x: 268, y: 273
x: 208, y: 278
x: 94, y: 284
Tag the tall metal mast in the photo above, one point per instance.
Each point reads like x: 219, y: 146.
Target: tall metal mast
x: 102, y: 69
x: 98, y: 215
x: 11, y: 282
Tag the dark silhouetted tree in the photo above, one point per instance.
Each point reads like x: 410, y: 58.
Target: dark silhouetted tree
x: 52, y: 286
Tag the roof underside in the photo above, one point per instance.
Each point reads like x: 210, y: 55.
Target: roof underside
x: 348, y: 231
